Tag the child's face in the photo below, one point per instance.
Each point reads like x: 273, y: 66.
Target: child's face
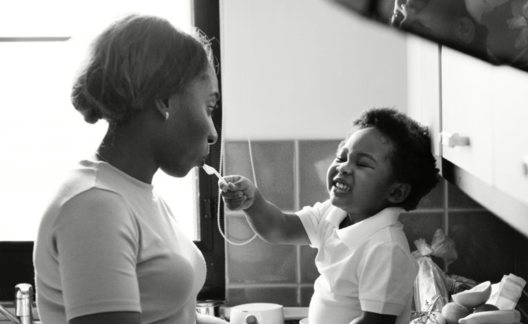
x: 360, y: 179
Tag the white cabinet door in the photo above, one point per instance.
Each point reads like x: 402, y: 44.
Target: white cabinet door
x: 466, y: 85
x: 424, y: 85
x: 510, y: 101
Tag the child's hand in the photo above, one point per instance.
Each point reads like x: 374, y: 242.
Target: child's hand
x: 239, y: 194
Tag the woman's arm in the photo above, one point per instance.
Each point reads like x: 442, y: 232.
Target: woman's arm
x: 97, y: 258
x: 109, y: 318
x: 374, y: 318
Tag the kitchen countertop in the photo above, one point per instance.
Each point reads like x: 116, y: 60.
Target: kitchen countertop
x: 292, y: 315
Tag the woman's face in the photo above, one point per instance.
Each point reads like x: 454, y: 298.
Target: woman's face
x: 190, y: 128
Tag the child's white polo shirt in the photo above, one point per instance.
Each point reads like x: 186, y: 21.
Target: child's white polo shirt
x: 367, y: 266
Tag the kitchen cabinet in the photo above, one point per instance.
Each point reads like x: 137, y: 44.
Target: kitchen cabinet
x: 478, y: 122
x: 466, y: 85
x: 510, y: 132
x: 424, y: 85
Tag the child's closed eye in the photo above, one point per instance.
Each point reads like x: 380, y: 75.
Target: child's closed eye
x: 340, y: 159
x: 363, y: 164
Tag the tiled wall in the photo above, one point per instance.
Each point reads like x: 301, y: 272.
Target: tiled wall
x: 292, y: 174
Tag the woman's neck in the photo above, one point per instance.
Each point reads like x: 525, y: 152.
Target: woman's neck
x: 128, y: 152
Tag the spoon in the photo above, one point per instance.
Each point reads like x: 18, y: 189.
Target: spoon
x: 212, y: 171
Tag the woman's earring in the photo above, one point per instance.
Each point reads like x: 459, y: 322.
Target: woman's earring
x: 166, y: 115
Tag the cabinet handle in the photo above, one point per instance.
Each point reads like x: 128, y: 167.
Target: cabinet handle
x: 525, y: 164
x: 453, y: 140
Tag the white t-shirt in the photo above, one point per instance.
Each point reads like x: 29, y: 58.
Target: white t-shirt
x: 367, y: 266
x: 109, y: 243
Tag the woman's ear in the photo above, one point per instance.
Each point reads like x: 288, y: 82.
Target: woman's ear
x: 162, y: 105
x: 399, y: 192
x: 465, y: 30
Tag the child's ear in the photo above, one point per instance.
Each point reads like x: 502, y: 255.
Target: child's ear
x: 399, y: 192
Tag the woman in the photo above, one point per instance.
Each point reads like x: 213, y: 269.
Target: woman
x: 108, y: 248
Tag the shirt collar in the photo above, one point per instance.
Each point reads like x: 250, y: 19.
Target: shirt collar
x: 358, y: 232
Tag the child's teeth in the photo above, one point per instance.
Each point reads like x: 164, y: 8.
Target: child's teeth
x: 342, y: 186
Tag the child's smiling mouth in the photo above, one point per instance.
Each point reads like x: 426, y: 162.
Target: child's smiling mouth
x: 341, y: 186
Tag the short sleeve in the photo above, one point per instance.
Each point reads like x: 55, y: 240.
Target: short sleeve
x: 311, y: 218
x: 96, y: 242
x: 386, y: 280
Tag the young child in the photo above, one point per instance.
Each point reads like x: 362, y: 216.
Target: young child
x: 366, y: 268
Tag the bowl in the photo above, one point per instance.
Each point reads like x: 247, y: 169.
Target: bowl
x: 261, y: 313
x: 473, y: 297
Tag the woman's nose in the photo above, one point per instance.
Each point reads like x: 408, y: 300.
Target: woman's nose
x: 213, y: 136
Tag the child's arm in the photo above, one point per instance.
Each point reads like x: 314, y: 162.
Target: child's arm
x: 266, y: 219
x: 374, y: 318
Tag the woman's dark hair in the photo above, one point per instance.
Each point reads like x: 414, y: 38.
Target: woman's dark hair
x: 411, y: 158
x: 134, y: 62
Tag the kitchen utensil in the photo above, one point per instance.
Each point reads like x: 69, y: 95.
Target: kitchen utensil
x: 212, y: 171
x: 263, y: 313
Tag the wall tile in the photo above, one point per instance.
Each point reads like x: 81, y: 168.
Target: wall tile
x: 274, y: 168
x: 286, y: 296
x: 458, y: 199
x: 308, y: 269
x: 314, y: 159
x: 257, y: 261
x: 418, y: 225
x: 521, y: 264
x: 306, y: 295
x: 485, y: 245
x: 435, y: 198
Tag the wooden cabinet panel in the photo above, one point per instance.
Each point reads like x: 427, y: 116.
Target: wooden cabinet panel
x: 510, y: 131
x: 466, y: 90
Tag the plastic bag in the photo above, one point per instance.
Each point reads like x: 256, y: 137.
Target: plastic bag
x: 506, y: 293
x: 431, y: 280
x: 443, y: 247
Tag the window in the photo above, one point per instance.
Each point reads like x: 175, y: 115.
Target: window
x: 41, y: 134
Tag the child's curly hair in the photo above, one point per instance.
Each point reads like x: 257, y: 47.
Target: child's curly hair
x: 411, y: 157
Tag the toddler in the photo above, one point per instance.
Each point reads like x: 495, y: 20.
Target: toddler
x: 383, y: 167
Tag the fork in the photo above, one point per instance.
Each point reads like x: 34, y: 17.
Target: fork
x: 212, y: 171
